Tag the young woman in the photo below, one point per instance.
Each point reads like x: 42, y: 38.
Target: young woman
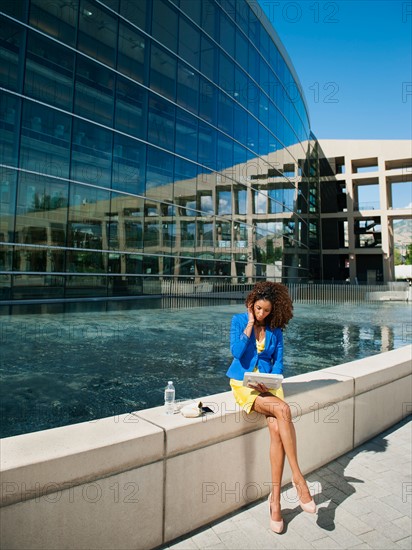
x: 256, y: 343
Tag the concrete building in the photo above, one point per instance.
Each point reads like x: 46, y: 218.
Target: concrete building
x: 365, y: 208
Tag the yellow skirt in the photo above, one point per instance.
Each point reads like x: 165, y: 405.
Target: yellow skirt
x: 245, y: 397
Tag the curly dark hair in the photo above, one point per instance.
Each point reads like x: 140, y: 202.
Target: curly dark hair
x: 278, y: 295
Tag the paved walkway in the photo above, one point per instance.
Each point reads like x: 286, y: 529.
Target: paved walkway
x: 364, y: 500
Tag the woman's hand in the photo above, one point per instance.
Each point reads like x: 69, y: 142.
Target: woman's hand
x: 259, y: 387
x: 250, y: 315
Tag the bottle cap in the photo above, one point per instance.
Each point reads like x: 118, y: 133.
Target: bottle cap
x: 170, y: 382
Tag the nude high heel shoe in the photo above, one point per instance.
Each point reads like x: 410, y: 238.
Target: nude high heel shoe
x: 309, y: 507
x: 276, y: 526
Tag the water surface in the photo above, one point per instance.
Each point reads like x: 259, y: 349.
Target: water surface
x: 59, y: 369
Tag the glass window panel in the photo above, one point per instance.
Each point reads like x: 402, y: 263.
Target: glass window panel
x: 189, y: 42
x: 45, y: 140
x: 41, y: 210
x: 239, y: 157
x: 161, y: 122
x: 206, y: 204
x: 15, y: 9
x: 151, y: 234
x: 91, y: 154
x: 135, y: 12
x: 260, y: 202
x: 49, y: 72
x: 131, y: 52
x: 254, y: 27
x: 205, y: 234
x: 240, y: 201
x: 239, y: 123
x: 224, y: 202
x: 9, y: 121
x: 164, y: 24
x: 185, y: 184
x: 97, y: 36
x: 207, y: 146
x: 134, y: 234
x: 187, y: 88
x: 252, y: 133
x: 225, y: 113
x: 192, y: 9
x: 56, y: 19
x: 94, y: 92
x: 7, y: 203
x: 225, y: 155
x: 208, y: 101
x: 113, y: 4
x: 159, y: 174
x: 87, y: 220
x: 130, y: 108
x: 253, y: 96
x: 226, y: 73
x: 186, y: 135
x: 241, y: 49
x: 11, y: 39
x: 210, y: 14
x: 240, y: 92
x: 188, y: 234
x: 242, y: 11
x: 227, y: 35
x: 129, y: 161
x: 168, y: 234
x: 208, y: 58
x: 253, y: 62
x: 223, y: 234
x: 263, y: 141
x: 163, y: 72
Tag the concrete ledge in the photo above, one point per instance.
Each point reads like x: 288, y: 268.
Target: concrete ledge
x: 188, y: 434
x: 377, y: 370
x: 44, y: 462
x: 141, y: 480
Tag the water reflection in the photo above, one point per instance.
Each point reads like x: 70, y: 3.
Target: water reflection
x: 66, y: 368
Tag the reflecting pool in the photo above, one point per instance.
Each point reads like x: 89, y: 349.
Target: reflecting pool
x: 59, y: 369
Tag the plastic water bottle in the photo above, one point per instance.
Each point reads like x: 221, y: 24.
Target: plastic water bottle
x: 170, y: 398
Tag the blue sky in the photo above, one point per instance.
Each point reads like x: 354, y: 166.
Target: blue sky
x: 354, y: 62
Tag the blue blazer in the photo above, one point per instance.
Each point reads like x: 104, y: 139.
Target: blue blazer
x: 245, y: 355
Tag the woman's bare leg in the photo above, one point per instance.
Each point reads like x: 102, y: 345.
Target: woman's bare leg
x: 272, y: 406
x: 277, y: 461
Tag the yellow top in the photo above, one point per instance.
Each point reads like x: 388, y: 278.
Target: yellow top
x: 260, y: 346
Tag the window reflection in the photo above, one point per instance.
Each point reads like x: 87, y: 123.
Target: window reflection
x: 130, y: 108
x: 187, y: 87
x: 11, y: 40
x: 45, y: 140
x: 135, y: 12
x: 41, y: 220
x: 91, y: 153
x: 97, y: 34
x: 129, y: 160
x: 9, y: 139
x: 164, y: 24
x: 163, y: 72
x: 186, y: 135
x: 94, y: 91
x: 49, y: 71
x: 56, y: 19
x: 159, y: 174
x: 161, y: 122
x: 189, y: 42
x: 131, y: 52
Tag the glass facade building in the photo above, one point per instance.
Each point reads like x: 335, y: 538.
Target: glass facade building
x: 150, y: 141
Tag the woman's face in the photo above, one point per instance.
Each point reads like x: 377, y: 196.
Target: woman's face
x: 261, y: 309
